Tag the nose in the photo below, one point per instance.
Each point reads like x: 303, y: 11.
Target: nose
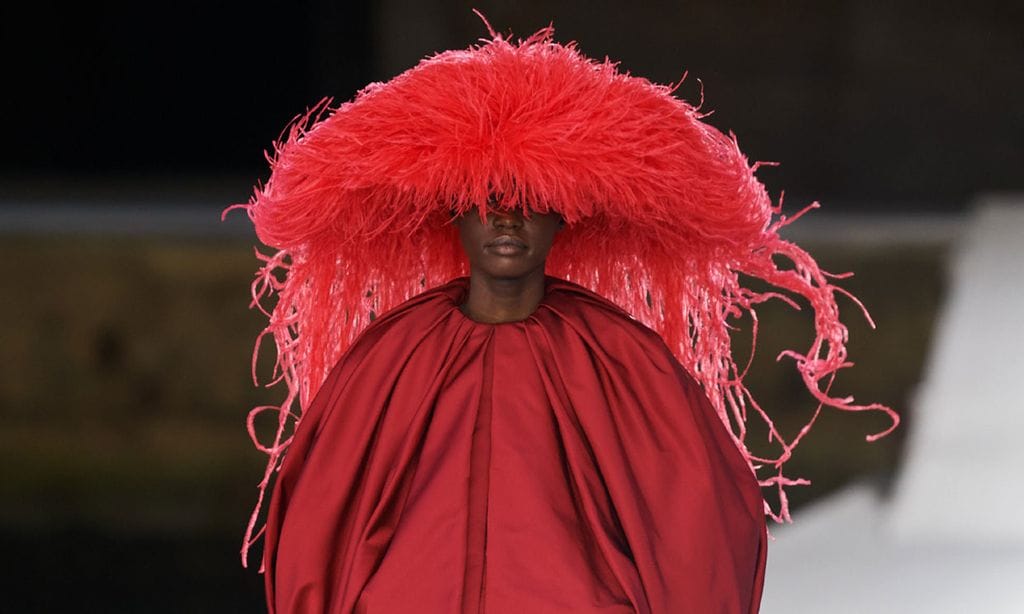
x: 506, y: 219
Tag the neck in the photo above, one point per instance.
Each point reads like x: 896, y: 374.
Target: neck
x: 493, y: 300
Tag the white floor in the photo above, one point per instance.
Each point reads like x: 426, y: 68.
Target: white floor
x: 950, y: 537
x: 841, y: 558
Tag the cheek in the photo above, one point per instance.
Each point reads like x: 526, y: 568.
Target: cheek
x: 547, y: 238
x: 470, y: 239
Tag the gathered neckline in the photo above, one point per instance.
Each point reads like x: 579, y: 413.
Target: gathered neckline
x: 457, y: 299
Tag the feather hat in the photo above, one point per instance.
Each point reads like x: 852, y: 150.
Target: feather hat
x: 663, y: 215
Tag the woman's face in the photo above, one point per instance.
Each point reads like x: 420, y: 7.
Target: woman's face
x: 508, y: 245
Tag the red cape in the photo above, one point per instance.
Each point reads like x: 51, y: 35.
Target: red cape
x: 565, y: 463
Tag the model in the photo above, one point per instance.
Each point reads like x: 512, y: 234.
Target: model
x: 503, y: 286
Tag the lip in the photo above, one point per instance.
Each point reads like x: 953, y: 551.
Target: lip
x: 506, y: 240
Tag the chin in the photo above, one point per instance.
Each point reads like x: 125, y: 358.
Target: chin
x: 509, y: 270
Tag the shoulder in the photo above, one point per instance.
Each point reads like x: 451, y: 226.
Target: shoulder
x: 577, y: 302
x: 414, y: 317
x: 604, y: 324
x: 439, y: 299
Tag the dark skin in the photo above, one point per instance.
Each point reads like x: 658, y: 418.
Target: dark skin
x: 506, y: 262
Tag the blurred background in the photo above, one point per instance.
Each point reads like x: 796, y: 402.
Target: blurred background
x: 127, y: 474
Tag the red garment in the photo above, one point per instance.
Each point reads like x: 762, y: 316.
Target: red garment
x: 565, y: 463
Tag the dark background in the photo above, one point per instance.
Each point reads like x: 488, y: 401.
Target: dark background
x: 868, y: 104
x: 127, y: 475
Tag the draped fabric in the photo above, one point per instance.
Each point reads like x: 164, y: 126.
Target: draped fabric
x: 563, y: 463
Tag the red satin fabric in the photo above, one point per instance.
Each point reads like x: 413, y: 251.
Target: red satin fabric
x: 565, y: 463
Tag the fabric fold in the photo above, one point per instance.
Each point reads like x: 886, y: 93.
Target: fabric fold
x: 565, y: 463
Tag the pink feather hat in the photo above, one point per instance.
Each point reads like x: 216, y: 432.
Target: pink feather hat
x: 663, y: 214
